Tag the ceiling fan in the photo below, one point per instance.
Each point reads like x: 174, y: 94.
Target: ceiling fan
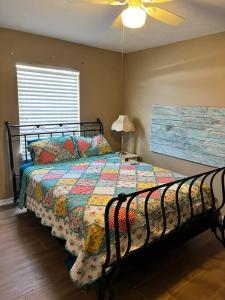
x: 135, y: 12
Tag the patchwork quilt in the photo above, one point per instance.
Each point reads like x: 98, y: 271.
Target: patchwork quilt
x: 71, y: 198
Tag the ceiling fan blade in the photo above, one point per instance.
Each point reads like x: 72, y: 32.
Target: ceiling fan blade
x: 117, y: 2
x: 118, y: 22
x: 103, y: 2
x: 156, y: 1
x: 164, y: 15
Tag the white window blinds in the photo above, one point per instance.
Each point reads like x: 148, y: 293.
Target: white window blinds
x: 47, y: 95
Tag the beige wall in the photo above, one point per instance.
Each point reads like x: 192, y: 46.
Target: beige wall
x: 188, y: 73
x: 100, y: 73
x: 185, y: 73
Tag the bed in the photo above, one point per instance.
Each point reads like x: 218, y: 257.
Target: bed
x: 107, y: 210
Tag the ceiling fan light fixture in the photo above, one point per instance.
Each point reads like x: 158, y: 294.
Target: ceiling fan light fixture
x: 133, y: 17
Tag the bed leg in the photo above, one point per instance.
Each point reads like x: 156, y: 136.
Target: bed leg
x: 102, y: 286
x: 219, y: 231
x: 112, y: 282
x: 107, y: 284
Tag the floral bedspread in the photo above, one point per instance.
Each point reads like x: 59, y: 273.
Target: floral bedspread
x: 71, y: 198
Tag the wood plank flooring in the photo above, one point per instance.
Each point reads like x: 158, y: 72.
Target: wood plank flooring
x: 32, y: 267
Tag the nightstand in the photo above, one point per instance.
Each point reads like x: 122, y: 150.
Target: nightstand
x: 129, y: 156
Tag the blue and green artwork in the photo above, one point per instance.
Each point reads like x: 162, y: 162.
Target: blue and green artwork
x: 191, y: 133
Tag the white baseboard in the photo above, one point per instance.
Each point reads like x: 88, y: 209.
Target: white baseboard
x: 6, y: 201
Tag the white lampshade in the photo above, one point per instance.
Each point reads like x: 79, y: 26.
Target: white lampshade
x: 123, y: 123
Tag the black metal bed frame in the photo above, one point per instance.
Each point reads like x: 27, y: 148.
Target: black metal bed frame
x: 208, y: 218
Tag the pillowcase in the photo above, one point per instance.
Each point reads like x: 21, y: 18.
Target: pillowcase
x: 29, y: 141
x: 87, y: 146
x: 102, y: 144
x: 53, y: 149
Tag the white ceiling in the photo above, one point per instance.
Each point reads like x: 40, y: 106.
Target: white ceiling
x: 91, y: 24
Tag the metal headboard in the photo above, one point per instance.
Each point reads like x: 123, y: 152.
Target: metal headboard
x: 20, y: 134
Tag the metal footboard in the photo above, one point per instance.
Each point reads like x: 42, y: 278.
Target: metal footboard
x: 113, y: 237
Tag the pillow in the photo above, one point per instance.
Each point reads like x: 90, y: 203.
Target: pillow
x: 53, y: 149
x: 87, y: 146
x: 102, y: 144
x: 35, y: 140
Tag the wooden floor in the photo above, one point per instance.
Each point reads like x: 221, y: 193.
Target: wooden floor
x: 32, y: 267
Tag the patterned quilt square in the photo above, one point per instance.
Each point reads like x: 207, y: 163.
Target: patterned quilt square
x: 155, y: 194
x: 127, y: 167
x: 60, y: 172
x: 38, y: 177
x: 79, y: 189
x: 146, y: 185
x: 96, y: 213
x: 144, y: 168
x: 112, y: 165
x: 146, y: 179
x: 40, y: 171
x: 61, y: 190
x: 98, y: 164
x: 158, y: 169
x: 113, y: 171
x: 128, y: 172
x: 72, y: 174
x: 66, y: 181
x: 75, y: 201
x: 124, y: 190
x: 87, y: 182
x: 93, y: 170
x: 126, y: 184
x: 79, y: 171
x: 164, y: 179
x: 101, y: 161
x: 106, y: 183
x: 114, y: 160
x: 124, y: 177
x: 51, y: 176
x: 79, y: 167
x: 49, y: 183
x: 104, y: 190
x: 145, y: 173
x: 59, y: 208
x: 90, y: 175
x: 84, y: 164
x: 108, y: 176
x: 99, y: 199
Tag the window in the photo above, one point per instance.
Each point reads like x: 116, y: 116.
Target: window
x: 47, y: 95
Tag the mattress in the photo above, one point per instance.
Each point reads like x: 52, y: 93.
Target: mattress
x: 71, y: 198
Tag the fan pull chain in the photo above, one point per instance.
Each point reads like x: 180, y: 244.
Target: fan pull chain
x: 122, y: 52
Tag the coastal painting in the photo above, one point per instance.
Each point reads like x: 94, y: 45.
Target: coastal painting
x: 191, y: 133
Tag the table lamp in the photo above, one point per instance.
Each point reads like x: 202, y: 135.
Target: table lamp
x: 123, y: 124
